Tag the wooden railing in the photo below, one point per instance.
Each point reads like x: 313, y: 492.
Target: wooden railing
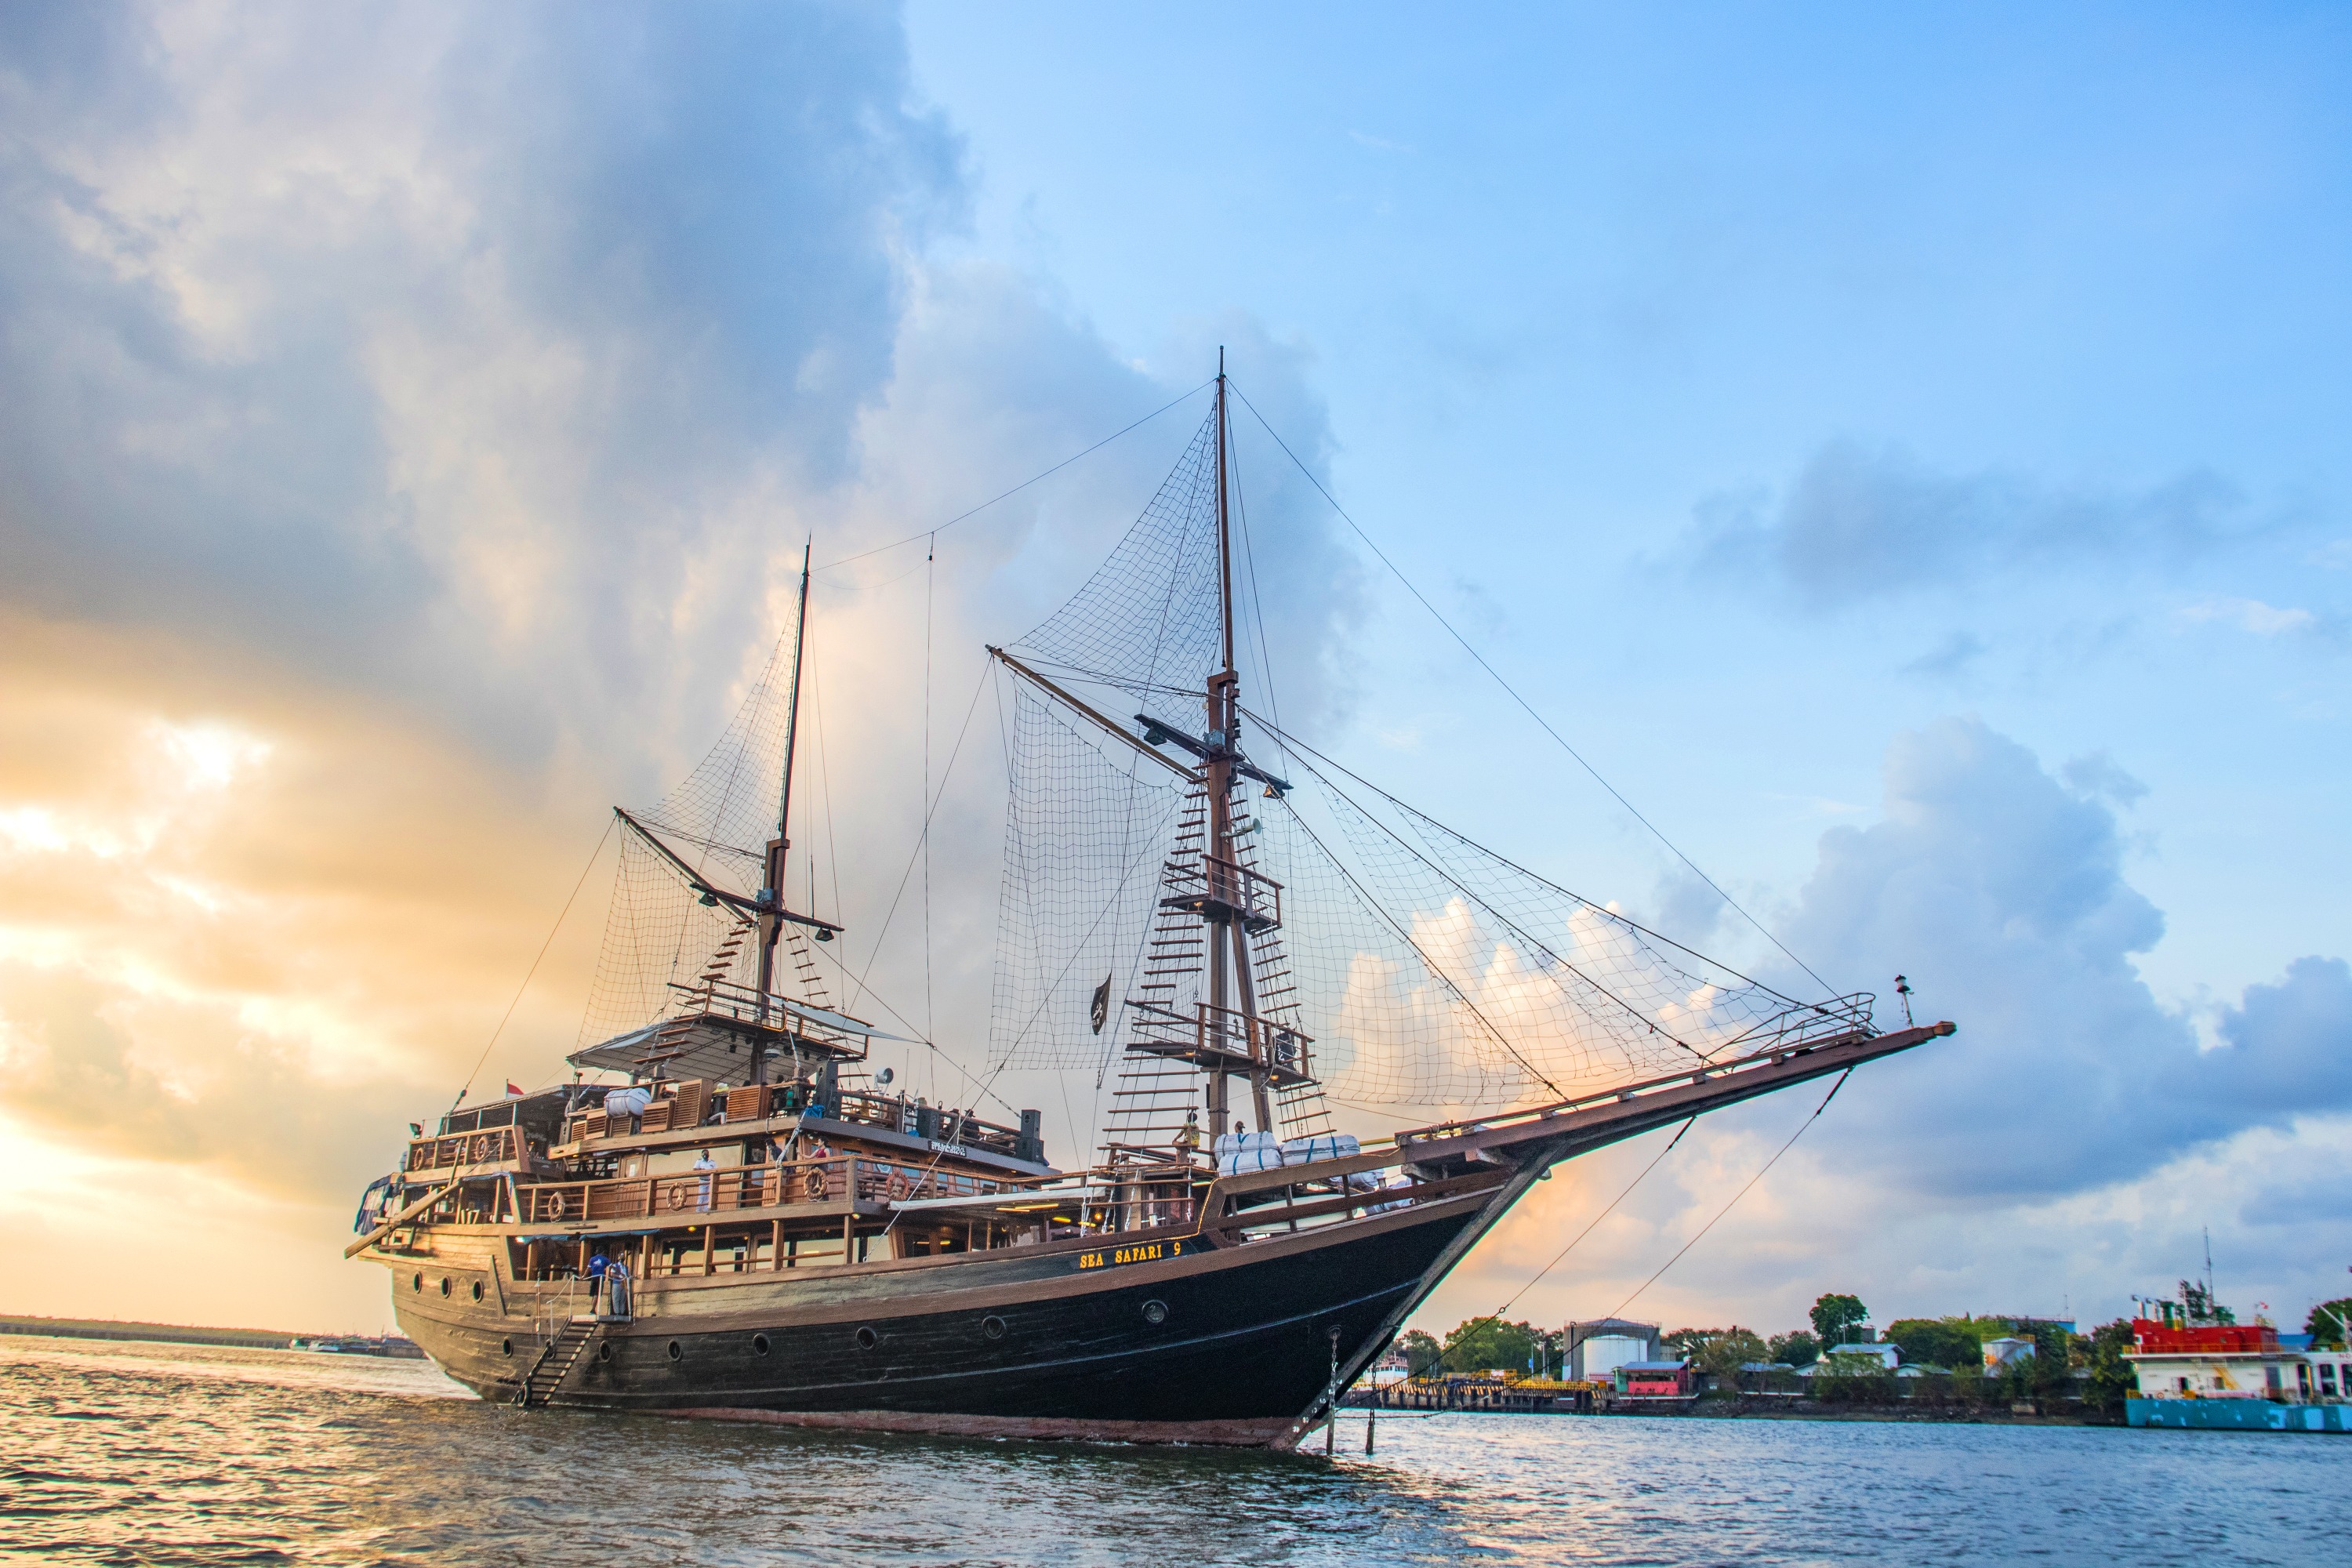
x: 859, y: 1106
x: 491, y: 1146
x: 939, y: 1123
x: 683, y: 1195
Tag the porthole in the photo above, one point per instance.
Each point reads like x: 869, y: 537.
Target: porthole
x: 1155, y: 1311
x: 417, y: 1282
x: 604, y: 1351
x: 445, y: 1284
x: 478, y: 1289
x: 759, y: 1345
x: 506, y: 1347
x: 677, y: 1351
x: 993, y: 1327
x: 867, y: 1338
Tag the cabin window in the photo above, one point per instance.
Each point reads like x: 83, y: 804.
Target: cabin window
x: 2184, y: 1383
x: 445, y: 1284
x: 506, y: 1347
x: 604, y: 1351
x: 759, y: 1345
x: 2327, y: 1377
x: 867, y: 1338
x: 993, y: 1327
x: 416, y: 1283
x: 1155, y: 1311
x: 2271, y: 1377
x: 677, y: 1351
x: 478, y: 1289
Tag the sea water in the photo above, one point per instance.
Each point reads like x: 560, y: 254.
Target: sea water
x: 167, y: 1454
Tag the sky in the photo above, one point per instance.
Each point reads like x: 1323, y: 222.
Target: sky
x: 1894, y: 450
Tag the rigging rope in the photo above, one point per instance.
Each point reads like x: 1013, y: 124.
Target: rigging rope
x: 595, y: 855
x: 1513, y: 693
x: 1462, y: 1335
x: 907, y: 874
x: 1742, y: 1192
x: 934, y: 532
x: 930, y: 575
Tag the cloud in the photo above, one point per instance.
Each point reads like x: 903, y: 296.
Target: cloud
x: 2250, y: 615
x: 1863, y: 522
x: 2064, y: 1148
x: 477, y: 351
x: 2001, y: 892
x: 2098, y: 775
x: 1949, y: 658
x: 415, y: 420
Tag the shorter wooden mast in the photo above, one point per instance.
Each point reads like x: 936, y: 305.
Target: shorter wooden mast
x: 771, y: 920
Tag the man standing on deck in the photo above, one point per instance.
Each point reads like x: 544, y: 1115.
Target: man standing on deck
x: 705, y: 1165
x: 597, y: 1267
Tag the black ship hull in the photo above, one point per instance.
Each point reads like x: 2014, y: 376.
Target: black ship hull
x: 1167, y: 1339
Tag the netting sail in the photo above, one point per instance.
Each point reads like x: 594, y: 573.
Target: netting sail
x: 663, y: 941
x: 1437, y: 973
x: 1088, y: 819
x: 1382, y: 957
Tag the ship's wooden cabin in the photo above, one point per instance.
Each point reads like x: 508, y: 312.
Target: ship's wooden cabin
x: 808, y: 1163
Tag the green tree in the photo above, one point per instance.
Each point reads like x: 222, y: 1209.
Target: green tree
x: 1723, y: 1353
x: 1836, y: 1317
x: 2111, y: 1381
x: 1686, y: 1343
x: 1798, y: 1349
x: 2329, y: 1320
x: 1420, y: 1351
x: 1485, y: 1344
x: 1948, y: 1342
x: 1852, y: 1379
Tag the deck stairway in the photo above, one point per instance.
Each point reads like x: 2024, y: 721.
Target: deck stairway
x: 554, y: 1363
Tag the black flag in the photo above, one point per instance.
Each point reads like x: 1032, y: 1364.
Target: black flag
x: 1101, y: 1008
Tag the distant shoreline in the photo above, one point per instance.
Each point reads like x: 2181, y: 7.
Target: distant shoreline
x: 197, y: 1334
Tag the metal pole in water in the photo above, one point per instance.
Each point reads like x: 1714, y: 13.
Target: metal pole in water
x: 1332, y: 1405
x: 1372, y: 1414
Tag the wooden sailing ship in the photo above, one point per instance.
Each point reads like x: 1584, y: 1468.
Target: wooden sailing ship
x: 726, y: 1214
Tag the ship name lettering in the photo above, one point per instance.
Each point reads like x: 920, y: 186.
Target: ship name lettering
x: 1142, y: 1254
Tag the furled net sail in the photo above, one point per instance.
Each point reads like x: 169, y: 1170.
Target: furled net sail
x: 1427, y: 970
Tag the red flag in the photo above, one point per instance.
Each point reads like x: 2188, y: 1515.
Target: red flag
x: 513, y: 1089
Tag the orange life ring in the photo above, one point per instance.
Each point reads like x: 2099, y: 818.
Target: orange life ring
x: 898, y: 1186
x: 675, y: 1197
x: 481, y: 1148
x: 812, y: 1184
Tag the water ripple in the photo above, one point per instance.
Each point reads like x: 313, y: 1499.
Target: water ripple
x: 169, y: 1455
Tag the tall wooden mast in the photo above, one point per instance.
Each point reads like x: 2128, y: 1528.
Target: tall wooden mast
x: 770, y: 922
x: 1233, y: 1022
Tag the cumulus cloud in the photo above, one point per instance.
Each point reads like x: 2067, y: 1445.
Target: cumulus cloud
x: 2250, y: 615
x: 2066, y: 1147
x: 1863, y: 522
x: 2002, y: 892
x: 418, y: 335
x: 415, y: 419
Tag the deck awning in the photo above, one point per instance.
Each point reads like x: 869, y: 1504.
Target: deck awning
x: 717, y: 1045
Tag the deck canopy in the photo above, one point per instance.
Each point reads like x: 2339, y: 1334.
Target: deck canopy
x: 715, y: 1037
